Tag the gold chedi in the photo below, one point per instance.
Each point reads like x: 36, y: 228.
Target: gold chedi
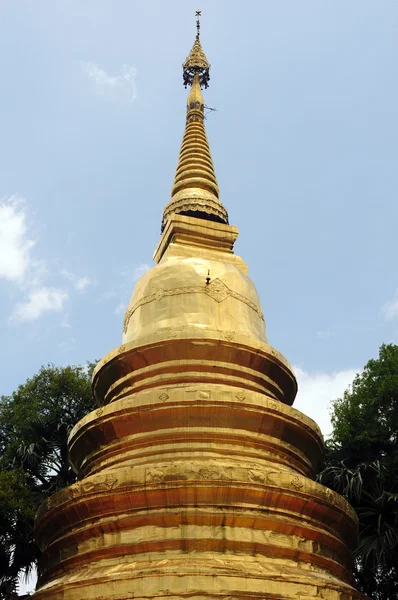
x: 196, y: 477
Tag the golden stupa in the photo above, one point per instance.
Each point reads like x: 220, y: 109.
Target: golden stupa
x: 196, y: 477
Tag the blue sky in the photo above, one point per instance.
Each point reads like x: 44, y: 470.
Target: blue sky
x: 304, y: 143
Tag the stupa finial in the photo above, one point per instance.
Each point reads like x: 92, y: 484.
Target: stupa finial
x: 195, y: 190
x: 196, y: 61
x: 198, y: 14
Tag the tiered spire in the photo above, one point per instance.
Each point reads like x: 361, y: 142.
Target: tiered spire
x: 195, y: 190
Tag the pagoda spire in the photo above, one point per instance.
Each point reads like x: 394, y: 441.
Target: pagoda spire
x: 195, y: 189
x: 195, y: 476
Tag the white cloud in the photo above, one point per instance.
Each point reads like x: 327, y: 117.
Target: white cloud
x: 15, y: 245
x: 131, y: 276
x: 39, y: 301
x: 68, y: 275
x: 140, y: 271
x: 82, y: 283
x: 390, y: 309
x: 27, y: 272
x: 316, y: 392
x: 120, y: 308
x: 79, y: 283
x: 114, y: 86
x: 67, y: 345
x: 107, y: 295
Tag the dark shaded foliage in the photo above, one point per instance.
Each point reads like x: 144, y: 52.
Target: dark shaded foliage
x: 34, y: 425
x: 361, y: 464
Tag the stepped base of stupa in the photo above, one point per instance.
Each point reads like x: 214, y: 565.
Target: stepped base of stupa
x: 195, y: 492
x: 198, y: 576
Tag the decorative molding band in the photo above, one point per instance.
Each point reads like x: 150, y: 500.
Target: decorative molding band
x: 207, y: 205
x: 216, y: 289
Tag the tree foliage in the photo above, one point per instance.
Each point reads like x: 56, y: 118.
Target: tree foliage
x: 34, y: 425
x: 361, y: 464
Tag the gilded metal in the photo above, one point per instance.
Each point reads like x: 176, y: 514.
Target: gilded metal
x: 196, y: 62
x: 216, y: 289
x: 195, y: 473
x: 195, y: 189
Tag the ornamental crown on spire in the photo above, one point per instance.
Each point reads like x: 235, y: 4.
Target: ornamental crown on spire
x: 196, y: 61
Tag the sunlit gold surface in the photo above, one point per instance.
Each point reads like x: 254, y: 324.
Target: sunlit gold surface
x: 196, y: 57
x: 196, y: 475
x: 195, y: 95
x: 195, y: 294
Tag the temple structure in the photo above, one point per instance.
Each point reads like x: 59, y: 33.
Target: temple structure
x: 196, y: 476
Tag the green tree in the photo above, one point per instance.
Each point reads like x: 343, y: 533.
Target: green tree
x: 34, y: 425
x: 361, y: 464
